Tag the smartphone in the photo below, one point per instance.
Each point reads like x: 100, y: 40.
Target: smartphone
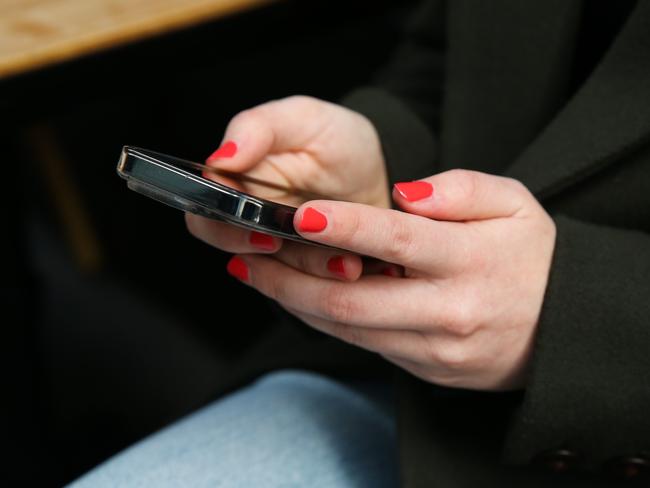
x: 180, y: 184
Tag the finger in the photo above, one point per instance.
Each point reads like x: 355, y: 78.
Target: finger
x: 461, y: 195
x: 373, y: 266
x: 456, y: 376
x: 372, y: 301
x: 389, y: 235
x: 229, y: 238
x: 320, y: 262
x: 403, y: 347
x: 278, y: 126
x: 382, y: 341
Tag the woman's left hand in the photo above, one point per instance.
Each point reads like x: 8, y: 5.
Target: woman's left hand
x: 473, y: 253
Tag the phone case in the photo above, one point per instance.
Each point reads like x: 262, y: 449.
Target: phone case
x: 178, y: 183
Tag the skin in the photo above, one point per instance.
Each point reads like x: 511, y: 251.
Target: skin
x: 469, y: 264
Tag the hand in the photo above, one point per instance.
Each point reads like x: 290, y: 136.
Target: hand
x: 304, y: 143
x: 475, y: 251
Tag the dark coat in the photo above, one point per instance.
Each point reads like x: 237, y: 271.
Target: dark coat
x: 495, y: 86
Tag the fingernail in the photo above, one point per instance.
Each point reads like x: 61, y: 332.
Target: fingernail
x: 312, y: 221
x: 414, y: 190
x: 238, y: 268
x: 262, y: 241
x: 389, y: 271
x: 227, y: 150
x: 336, y: 265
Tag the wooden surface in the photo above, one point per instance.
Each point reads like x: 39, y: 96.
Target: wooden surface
x: 36, y: 33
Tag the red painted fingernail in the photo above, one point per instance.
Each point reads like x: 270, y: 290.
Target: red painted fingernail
x: 336, y: 265
x: 227, y: 150
x: 414, y: 190
x: 312, y: 221
x: 261, y: 241
x: 389, y: 271
x: 238, y: 268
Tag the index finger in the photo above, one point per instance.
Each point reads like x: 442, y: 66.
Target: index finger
x: 390, y: 235
x: 273, y: 127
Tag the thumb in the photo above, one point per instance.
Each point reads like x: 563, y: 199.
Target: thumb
x: 459, y: 195
x: 272, y: 127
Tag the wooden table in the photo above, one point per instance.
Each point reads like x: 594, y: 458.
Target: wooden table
x: 37, y: 33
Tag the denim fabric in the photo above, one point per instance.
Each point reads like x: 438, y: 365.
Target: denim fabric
x: 288, y: 429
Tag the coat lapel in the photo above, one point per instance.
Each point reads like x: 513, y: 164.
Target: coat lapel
x: 608, y: 118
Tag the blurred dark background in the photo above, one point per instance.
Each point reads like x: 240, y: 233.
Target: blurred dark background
x: 114, y: 320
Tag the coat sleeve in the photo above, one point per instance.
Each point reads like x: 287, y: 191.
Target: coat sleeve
x: 588, y: 394
x: 404, y: 102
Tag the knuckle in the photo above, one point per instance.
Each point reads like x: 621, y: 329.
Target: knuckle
x: 297, y: 104
x: 300, y: 99
x: 338, y: 305
x: 452, y: 379
x: 430, y: 348
x: 521, y: 196
x: 348, y: 228
x: 453, y: 356
x: 302, y: 262
x: 517, y: 185
x: 461, y: 319
x: 468, y: 184
x: 351, y: 335
x: 274, y: 288
x: 401, y: 245
x: 463, y: 189
x: 458, y: 174
x: 248, y: 117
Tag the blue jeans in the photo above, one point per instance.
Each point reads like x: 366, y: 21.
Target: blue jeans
x: 288, y: 429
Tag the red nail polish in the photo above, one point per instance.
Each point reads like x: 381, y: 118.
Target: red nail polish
x: 312, y: 221
x: 414, y: 190
x: 262, y: 241
x: 336, y: 265
x: 227, y: 150
x: 389, y: 271
x: 238, y: 268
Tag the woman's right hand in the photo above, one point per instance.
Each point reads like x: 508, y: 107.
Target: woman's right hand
x: 304, y: 143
